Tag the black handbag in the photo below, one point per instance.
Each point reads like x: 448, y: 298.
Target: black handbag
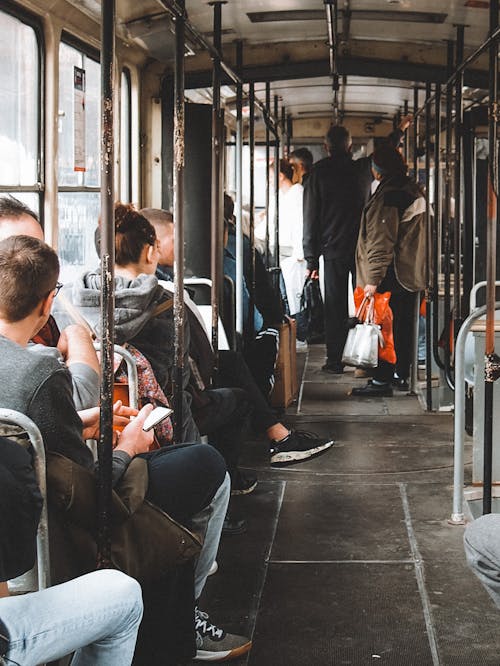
x: 310, y: 318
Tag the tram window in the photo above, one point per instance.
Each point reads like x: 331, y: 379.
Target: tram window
x: 125, y: 138
x: 69, y: 58
x: 20, y: 94
x: 78, y: 166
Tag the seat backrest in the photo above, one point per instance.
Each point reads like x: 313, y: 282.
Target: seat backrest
x: 15, y: 424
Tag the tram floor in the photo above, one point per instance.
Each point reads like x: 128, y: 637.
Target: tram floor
x: 349, y: 558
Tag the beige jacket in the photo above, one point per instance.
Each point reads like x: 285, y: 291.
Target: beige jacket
x: 393, y: 231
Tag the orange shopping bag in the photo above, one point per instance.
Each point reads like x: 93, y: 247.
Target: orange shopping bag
x: 383, y: 317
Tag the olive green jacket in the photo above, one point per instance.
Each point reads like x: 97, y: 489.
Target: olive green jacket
x: 393, y: 231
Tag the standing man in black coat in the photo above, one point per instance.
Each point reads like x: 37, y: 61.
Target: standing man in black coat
x: 334, y: 197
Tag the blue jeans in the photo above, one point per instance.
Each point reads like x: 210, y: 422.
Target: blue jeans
x: 482, y: 548
x: 97, y: 616
x: 208, y: 523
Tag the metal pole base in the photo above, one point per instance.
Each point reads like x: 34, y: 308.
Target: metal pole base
x: 457, y: 519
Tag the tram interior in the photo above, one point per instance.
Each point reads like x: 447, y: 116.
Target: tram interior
x: 349, y: 558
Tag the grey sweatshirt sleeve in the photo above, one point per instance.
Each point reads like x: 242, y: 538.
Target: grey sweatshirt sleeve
x: 85, y: 380
x: 85, y: 385
x: 121, y: 461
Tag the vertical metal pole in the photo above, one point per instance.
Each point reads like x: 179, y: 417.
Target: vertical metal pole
x: 216, y: 217
x: 289, y: 133
x: 491, y: 244
x: 276, y: 187
x: 268, y: 138
x: 406, y: 138
x: 457, y: 226
x: 428, y: 373
x: 178, y: 204
x: 416, y: 309
x: 469, y: 175
x: 447, y: 224
x: 105, y: 446
x: 437, y: 229
x: 415, y: 133
x: 284, y: 137
x: 239, y: 192
x: 251, y: 146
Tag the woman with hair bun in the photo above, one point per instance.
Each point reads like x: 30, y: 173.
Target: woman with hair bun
x: 390, y: 256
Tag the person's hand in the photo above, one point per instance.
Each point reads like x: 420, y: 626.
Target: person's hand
x: 405, y: 122
x: 90, y: 418
x: 314, y: 275
x: 370, y: 290
x: 133, y: 439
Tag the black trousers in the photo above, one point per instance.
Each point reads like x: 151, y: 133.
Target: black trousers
x: 402, y: 304
x: 336, y: 306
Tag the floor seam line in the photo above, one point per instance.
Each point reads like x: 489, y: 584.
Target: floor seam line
x: 301, y: 388
x: 420, y: 576
x: 258, y: 597
x: 405, y: 561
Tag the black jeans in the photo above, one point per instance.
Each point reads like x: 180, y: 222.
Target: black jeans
x: 336, y: 307
x: 183, y: 479
x: 402, y: 304
x: 234, y: 371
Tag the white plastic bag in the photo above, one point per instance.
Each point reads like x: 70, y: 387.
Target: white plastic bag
x: 361, y: 347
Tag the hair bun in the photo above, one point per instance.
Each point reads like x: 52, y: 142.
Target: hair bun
x: 122, y: 215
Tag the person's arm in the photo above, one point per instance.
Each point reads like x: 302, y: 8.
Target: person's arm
x: 311, y: 228
x: 77, y: 349
x: 397, y: 134
x: 381, y: 237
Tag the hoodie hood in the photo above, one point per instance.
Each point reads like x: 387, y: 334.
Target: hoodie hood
x: 135, y: 301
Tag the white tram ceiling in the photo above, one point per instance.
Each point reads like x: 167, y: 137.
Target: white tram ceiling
x: 284, y: 40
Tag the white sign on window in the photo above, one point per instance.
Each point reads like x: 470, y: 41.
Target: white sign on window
x: 79, y: 118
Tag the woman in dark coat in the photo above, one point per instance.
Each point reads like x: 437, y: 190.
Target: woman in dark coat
x: 390, y: 256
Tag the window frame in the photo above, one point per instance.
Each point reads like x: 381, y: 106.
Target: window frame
x: 38, y: 188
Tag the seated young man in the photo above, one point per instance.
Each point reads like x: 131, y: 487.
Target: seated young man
x: 285, y: 446
x: 188, y: 482
x: 73, y: 343
x: 96, y: 616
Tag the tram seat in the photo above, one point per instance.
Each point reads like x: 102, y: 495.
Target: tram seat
x: 17, y: 426
x: 127, y: 392
x: 202, y: 298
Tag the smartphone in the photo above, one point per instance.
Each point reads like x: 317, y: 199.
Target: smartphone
x: 158, y: 415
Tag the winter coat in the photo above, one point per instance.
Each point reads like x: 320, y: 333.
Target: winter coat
x: 135, y: 303
x: 393, y: 232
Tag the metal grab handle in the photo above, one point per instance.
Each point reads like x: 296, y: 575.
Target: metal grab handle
x: 133, y: 381
x: 457, y: 516
x: 475, y: 289
x: 11, y: 417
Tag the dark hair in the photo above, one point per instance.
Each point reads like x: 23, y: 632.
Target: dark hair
x: 12, y: 207
x: 304, y: 156
x: 338, y: 139
x: 157, y: 215
x: 388, y: 161
x: 132, y: 232
x: 29, y: 269
x: 228, y: 208
x: 286, y: 168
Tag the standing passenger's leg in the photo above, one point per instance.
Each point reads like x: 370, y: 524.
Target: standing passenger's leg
x: 336, y: 313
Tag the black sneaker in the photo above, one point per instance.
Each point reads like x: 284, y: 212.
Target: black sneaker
x: 401, y: 384
x: 372, y: 390
x: 333, y: 368
x: 297, y: 447
x: 214, y: 644
x: 241, y: 484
